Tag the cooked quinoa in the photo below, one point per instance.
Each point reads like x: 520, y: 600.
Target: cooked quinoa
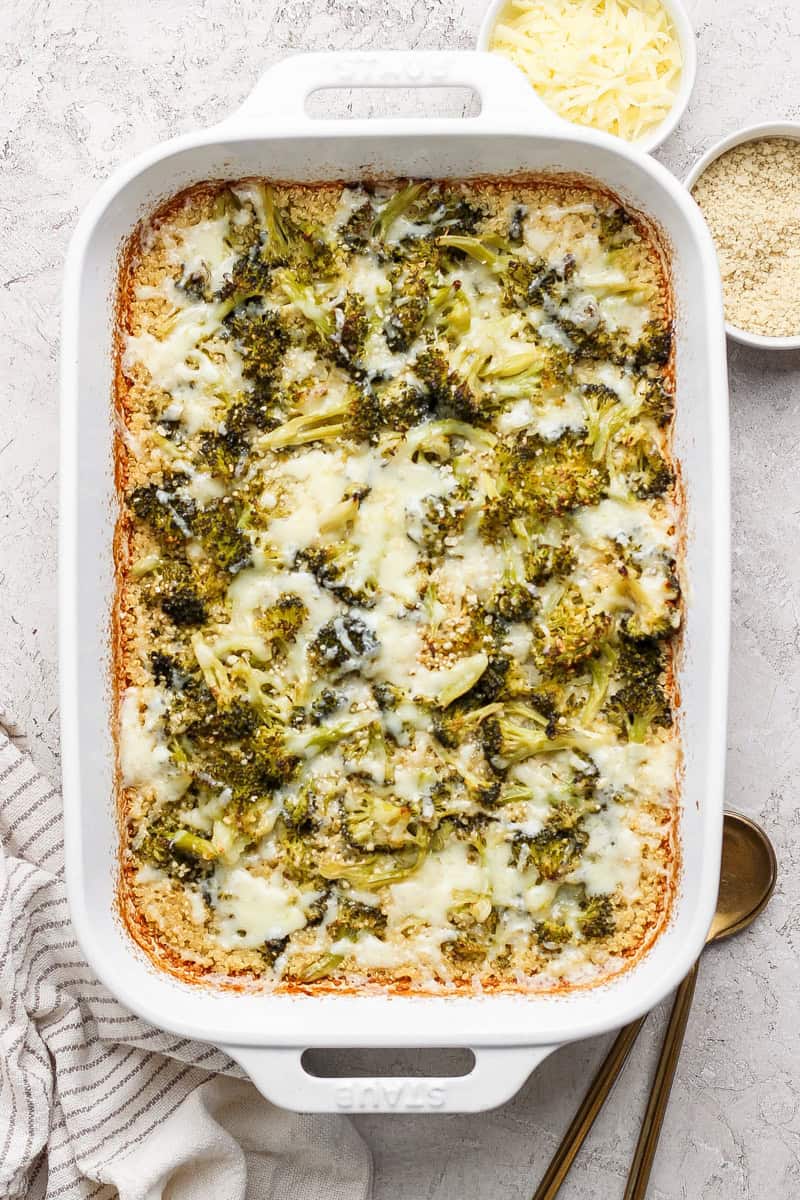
x: 398, y: 585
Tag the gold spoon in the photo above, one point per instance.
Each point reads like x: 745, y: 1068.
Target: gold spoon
x: 747, y: 879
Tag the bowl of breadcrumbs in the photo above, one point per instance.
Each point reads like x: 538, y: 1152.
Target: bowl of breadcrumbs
x: 748, y: 188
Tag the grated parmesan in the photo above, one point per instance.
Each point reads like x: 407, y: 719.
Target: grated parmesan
x: 614, y: 65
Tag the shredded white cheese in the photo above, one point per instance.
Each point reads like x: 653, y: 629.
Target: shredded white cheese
x: 610, y: 64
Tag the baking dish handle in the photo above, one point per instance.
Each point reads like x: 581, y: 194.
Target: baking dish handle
x: 498, y: 1074
x: 282, y: 91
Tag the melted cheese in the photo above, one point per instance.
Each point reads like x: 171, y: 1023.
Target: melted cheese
x: 251, y: 910
x: 143, y: 754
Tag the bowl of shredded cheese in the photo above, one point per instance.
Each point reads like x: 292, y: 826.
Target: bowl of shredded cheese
x: 625, y: 67
x: 748, y: 189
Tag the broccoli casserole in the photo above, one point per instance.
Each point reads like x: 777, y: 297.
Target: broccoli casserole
x: 398, y: 565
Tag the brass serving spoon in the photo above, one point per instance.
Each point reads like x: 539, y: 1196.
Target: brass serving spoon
x: 747, y: 879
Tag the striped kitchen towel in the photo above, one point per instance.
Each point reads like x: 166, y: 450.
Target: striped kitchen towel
x: 96, y: 1103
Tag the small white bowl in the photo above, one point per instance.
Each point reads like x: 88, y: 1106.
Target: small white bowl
x: 685, y: 32
x: 752, y: 133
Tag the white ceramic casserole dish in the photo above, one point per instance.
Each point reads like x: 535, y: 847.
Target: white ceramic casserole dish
x: 271, y: 135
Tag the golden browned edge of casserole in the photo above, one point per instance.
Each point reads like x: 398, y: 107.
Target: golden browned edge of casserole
x: 129, y: 398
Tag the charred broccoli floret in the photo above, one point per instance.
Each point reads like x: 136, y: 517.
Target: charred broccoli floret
x: 252, y: 767
x: 516, y: 227
x: 224, y: 452
x: 351, y: 329
x: 168, y: 515
x: 450, y: 395
x: 172, y: 587
x: 342, y: 644
x: 657, y: 401
x: 261, y: 339
x: 616, y: 227
x: 249, y: 278
x: 654, y: 346
x: 527, y: 283
x: 639, y: 701
x: 326, y: 704
x: 551, y: 934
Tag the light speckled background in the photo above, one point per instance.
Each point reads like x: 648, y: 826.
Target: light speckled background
x: 84, y: 85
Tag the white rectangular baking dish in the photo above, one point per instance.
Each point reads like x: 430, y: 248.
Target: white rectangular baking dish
x: 271, y: 135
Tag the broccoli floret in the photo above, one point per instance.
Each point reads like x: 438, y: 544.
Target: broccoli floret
x: 353, y: 917
x: 169, y: 516
x: 234, y: 722
x: 329, y: 565
x: 552, y: 935
x: 490, y: 685
x: 342, y: 644
x: 639, y: 701
x: 539, y: 479
x: 371, y: 821
x: 184, y: 608
x: 450, y: 395
x: 544, y: 561
x: 597, y: 917
x: 297, y: 244
x: 165, y: 669
x: 261, y: 339
x: 435, y: 528
x: 554, y: 852
x: 282, y: 621
x: 251, y: 767
x: 507, y: 740
x: 196, y: 284
x: 165, y: 842
x: 569, y: 633
x: 616, y: 227
x: 397, y: 405
x: 641, y: 467
x: 654, y: 346
x: 408, y: 313
x: 473, y: 936
x: 223, y: 453
x: 326, y: 704
x: 172, y: 587
x: 657, y: 402
x: 217, y: 527
x: 351, y: 329
x: 250, y: 277
x: 605, y: 416
x: 273, y: 949
x: 527, y: 283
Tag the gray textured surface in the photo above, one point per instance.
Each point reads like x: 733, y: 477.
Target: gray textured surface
x: 84, y: 85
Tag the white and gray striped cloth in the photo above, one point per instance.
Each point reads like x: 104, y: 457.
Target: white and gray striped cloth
x: 96, y: 1103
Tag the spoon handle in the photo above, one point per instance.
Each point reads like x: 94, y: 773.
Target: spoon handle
x: 588, y: 1112
x: 639, y: 1175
